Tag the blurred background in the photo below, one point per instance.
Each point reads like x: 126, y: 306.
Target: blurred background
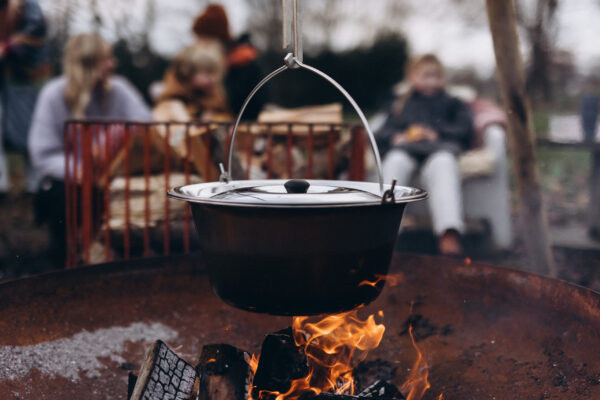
x: 346, y: 39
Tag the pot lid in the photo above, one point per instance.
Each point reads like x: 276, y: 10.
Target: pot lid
x: 291, y: 193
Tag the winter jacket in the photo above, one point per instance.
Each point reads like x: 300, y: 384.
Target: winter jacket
x: 446, y: 115
x: 47, y: 137
x: 242, y: 75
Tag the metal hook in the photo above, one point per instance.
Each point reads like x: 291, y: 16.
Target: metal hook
x: 292, y: 30
x: 388, y: 196
x: 224, y: 177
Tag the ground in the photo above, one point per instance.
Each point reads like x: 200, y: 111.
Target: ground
x: 24, y: 245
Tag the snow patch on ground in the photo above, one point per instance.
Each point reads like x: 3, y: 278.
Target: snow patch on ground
x: 80, y: 353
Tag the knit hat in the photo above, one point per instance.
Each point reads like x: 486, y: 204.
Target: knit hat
x: 213, y: 23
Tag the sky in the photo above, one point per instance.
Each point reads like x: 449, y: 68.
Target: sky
x: 431, y: 26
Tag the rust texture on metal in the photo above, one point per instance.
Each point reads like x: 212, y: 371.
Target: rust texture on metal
x: 486, y: 331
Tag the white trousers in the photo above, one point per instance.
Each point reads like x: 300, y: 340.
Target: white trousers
x: 440, y: 176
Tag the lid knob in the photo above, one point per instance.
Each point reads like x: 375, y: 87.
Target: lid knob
x: 296, y: 186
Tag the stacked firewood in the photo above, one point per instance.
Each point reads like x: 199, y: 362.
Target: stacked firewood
x: 224, y: 373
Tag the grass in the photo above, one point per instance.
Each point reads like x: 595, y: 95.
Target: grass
x: 541, y: 124
x: 563, y: 171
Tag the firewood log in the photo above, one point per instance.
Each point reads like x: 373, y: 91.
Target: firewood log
x: 164, y: 376
x: 224, y: 373
x: 281, y: 361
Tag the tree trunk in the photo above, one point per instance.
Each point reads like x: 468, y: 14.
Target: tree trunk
x: 521, y: 140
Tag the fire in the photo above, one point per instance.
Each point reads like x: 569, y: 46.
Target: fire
x: 417, y: 383
x: 390, y: 279
x: 333, y: 347
x: 253, y: 363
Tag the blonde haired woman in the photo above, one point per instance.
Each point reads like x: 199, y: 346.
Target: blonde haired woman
x: 87, y: 90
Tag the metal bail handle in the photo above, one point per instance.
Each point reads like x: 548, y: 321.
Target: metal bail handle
x: 292, y: 62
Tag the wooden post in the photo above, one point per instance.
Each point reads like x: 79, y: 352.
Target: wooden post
x: 521, y: 139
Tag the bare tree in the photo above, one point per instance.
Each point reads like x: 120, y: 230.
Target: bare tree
x: 521, y: 138
x: 322, y: 20
x: 120, y: 20
x: 539, y: 24
x: 264, y: 22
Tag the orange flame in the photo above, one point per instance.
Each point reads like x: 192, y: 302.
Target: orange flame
x: 417, y: 383
x: 253, y: 363
x: 391, y: 279
x: 333, y: 347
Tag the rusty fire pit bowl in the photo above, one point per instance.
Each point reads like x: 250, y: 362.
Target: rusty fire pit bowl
x: 486, y: 332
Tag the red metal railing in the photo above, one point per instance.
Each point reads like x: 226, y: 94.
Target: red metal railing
x: 117, y: 172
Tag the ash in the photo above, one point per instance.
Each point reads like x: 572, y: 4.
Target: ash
x: 80, y: 353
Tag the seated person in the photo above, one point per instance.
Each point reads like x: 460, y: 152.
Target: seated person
x: 424, y: 132
x: 193, y: 90
x: 86, y: 90
x: 193, y: 86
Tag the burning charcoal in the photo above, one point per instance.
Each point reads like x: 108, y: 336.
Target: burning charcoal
x: 381, y: 389
x: 164, y: 376
x: 374, y: 370
x: 329, y: 396
x: 281, y: 361
x: 333, y: 396
x: 224, y: 373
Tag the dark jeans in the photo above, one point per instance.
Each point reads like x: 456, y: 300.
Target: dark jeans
x: 50, y: 203
x: 50, y: 209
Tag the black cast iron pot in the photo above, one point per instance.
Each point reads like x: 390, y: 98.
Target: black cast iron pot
x: 297, y: 247
x: 314, y: 252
